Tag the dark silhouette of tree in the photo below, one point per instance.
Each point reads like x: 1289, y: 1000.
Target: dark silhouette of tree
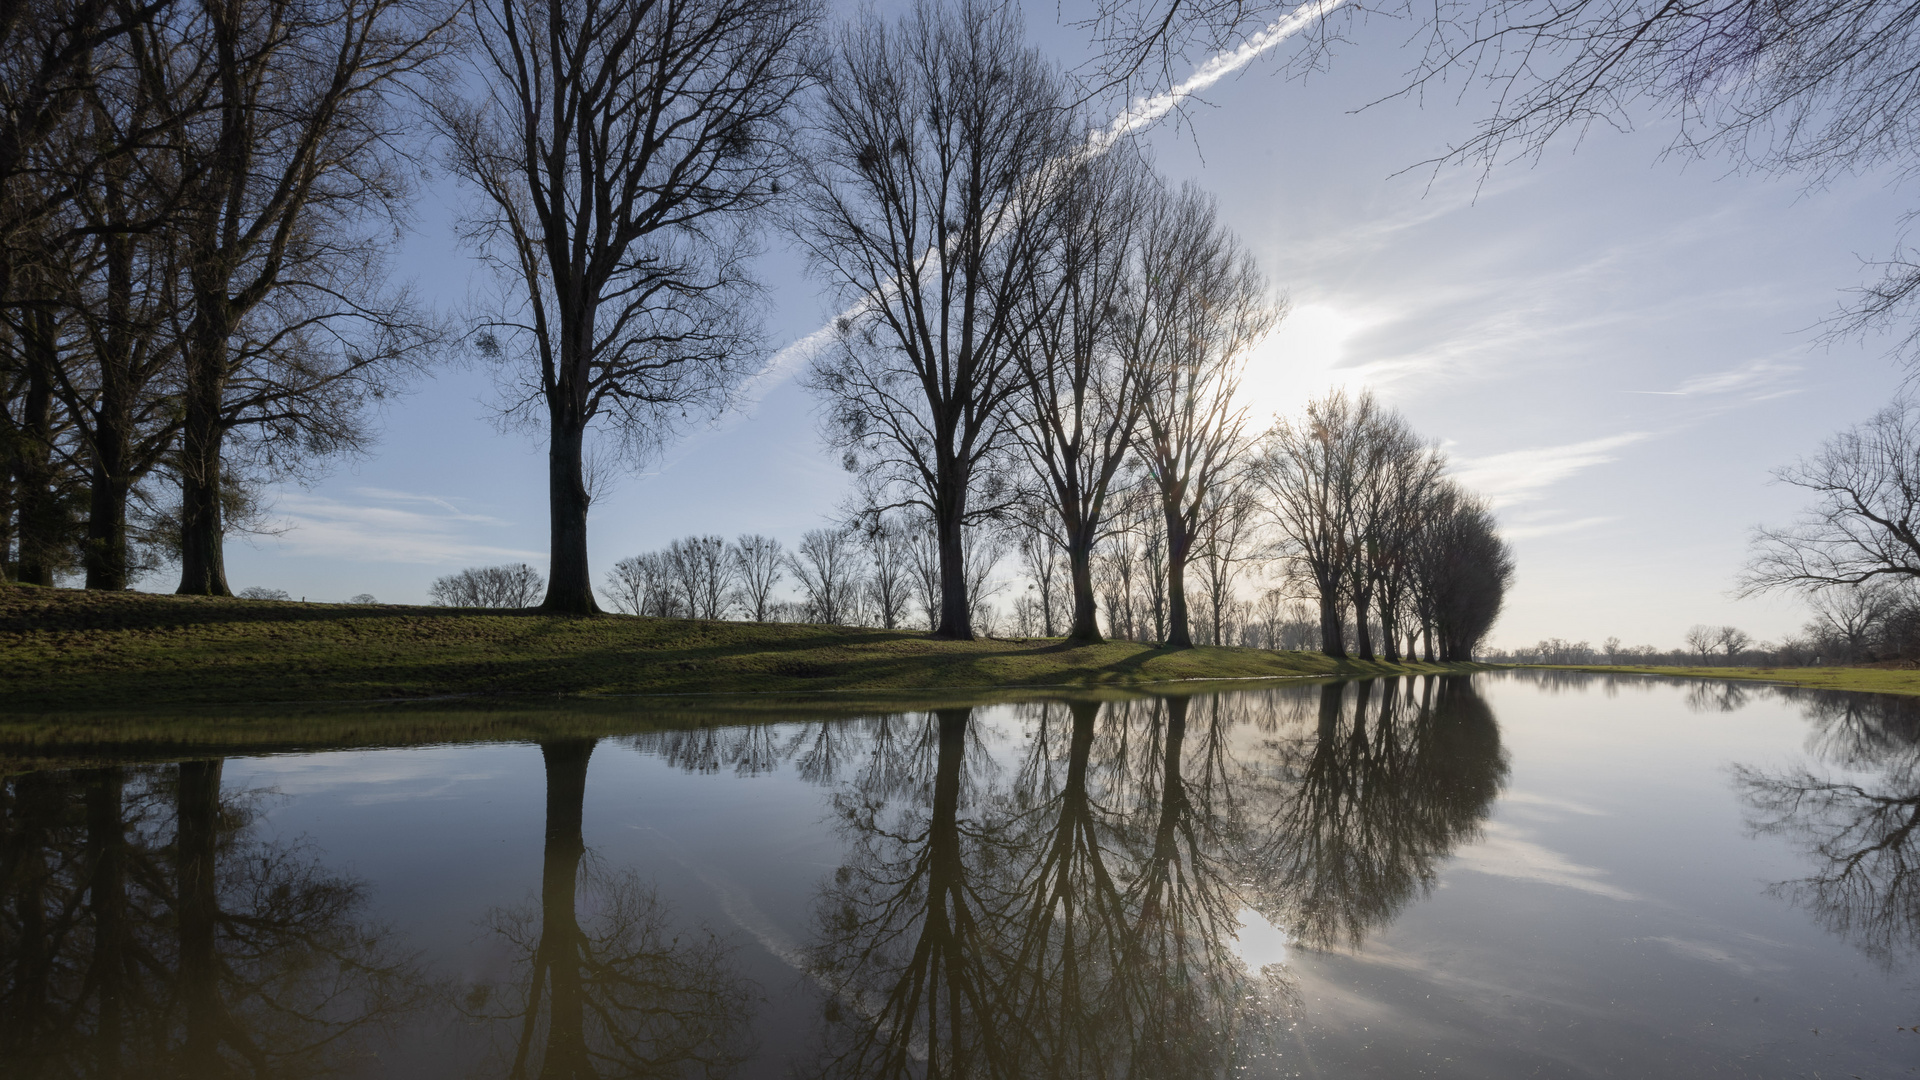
x: 906, y: 933
x: 1862, y: 525
x: 1201, y: 308
x: 928, y: 206
x: 1084, y: 388
x: 286, y: 123
x: 148, y: 932
x: 623, y: 995
x: 622, y: 150
x: 1368, y: 805
x: 1861, y: 833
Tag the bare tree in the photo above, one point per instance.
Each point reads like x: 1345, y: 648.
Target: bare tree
x: 644, y: 585
x: 1732, y: 640
x: 1041, y: 561
x: 1850, y: 615
x: 1221, y: 551
x: 1085, y: 387
x: 1703, y: 639
x: 926, y: 206
x: 889, y: 552
x: 703, y: 574
x: 515, y: 585
x: 1865, y: 521
x: 757, y: 564
x: 827, y: 566
x: 621, y: 149
x: 1201, y: 307
x: 285, y: 145
x: 1308, y: 472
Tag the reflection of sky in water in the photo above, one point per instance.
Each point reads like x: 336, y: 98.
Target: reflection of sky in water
x: 1577, y: 890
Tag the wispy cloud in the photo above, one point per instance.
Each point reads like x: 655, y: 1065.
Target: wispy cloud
x: 1526, y: 531
x: 1506, y: 852
x: 390, y: 526
x: 1519, y: 475
x: 1762, y: 376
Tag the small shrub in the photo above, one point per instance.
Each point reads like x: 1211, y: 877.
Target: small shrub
x: 261, y: 592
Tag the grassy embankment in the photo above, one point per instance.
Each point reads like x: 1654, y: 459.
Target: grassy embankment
x: 129, y: 667
x: 1873, y: 680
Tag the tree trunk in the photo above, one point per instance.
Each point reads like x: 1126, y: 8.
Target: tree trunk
x: 107, y: 903
x: 1333, y: 640
x: 1179, y: 545
x: 1427, y: 628
x: 569, y: 584
x: 39, y: 529
x: 1086, y: 621
x: 106, y: 550
x: 562, y: 949
x: 956, y: 621
x: 1362, y: 634
x: 203, y: 563
x: 196, y: 842
x: 111, y: 422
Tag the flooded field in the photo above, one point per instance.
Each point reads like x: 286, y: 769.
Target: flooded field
x: 1500, y: 875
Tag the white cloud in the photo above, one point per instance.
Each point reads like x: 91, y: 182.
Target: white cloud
x: 389, y: 527
x: 1519, y: 475
x: 1507, y: 853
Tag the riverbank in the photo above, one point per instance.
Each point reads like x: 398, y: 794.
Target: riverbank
x: 1872, y: 680
x: 67, y: 650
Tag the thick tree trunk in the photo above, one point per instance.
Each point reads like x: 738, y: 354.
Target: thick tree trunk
x: 39, y: 529
x: 1086, y: 619
x: 203, y: 562
x: 1333, y: 638
x: 1427, y: 652
x: 197, y: 835
x: 1362, y: 634
x: 569, y: 583
x: 1179, y: 546
x: 956, y: 621
x: 561, y: 955
x: 106, y: 550
x: 111, y: 435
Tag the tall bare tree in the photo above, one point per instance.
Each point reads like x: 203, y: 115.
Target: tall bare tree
x: 757, y: 564
x: 938, y: 141
x: 622, y: 150
x: 287, y: 146
x: 1085, y: 389
x: 1201, y: 306
x: 1308, y: 477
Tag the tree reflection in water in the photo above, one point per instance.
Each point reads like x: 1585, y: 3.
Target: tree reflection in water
x: 1359, y: 814
x: 623, y: 995
x: 1861, y: 832
x: 1078, y: 916
x: 149, y: 932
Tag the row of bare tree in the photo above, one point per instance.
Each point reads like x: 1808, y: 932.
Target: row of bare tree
x: 1038, y: 332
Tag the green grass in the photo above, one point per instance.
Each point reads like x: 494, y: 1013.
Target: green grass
x: 64, y: 651
x: 1872, y: 680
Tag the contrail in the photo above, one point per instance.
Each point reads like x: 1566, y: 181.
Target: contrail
x: 1138, y: 116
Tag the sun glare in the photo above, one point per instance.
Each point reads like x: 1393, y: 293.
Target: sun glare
x: 1302, y: 359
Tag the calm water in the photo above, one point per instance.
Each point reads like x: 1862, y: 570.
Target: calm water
x: 1498, y: 877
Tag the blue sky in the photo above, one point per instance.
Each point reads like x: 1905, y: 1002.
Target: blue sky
x: 1613, y: 344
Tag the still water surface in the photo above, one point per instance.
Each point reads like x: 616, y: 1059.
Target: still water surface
x: 1503, y: 876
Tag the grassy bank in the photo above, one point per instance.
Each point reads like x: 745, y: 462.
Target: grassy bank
x: 64, y: 651
x: 1872, y: 680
